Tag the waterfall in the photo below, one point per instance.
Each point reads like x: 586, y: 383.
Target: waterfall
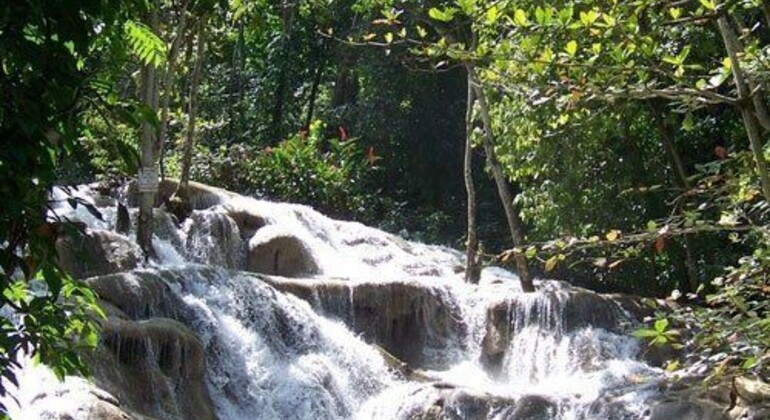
x: 262, y: 310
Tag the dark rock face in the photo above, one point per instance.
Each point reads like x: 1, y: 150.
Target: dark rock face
x: 532, y: 407
x: 560, y: 313
x: 152, y: 364
x: 248, y: 222
x: 138, y: 361
x: 214, y: 239
x: 459, y: 404
x: 687, y: 410
x: 96, y: 252
x: 282, y: 255
x: 405, y: 319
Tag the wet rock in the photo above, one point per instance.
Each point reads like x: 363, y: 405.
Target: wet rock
x: 532, y: 407
x: 96, y: 252
x: 136, y: 294
x: 752, y: 391
x: 496, y: 337
x: 461, y: 404
x: 248, y: 221
x: 687, y: 410
x: 123, y: 223
x: 281, y: 255
x: 200, y: 196
x: 559, y: 312
x: 214, y: 239
x: 407, y: 320
x: 102, y: 410
x: 154, y: 367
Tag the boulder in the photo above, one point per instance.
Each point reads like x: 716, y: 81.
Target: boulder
x: 200, y: 196
x: 214, y: 239
x: 752, y: 391
x: 96, y: 252
x: 282, y: 255
x: 136, y: 294
x: 408, y: 320
x: 248, y: 221
x: 442, y: 403
x: 687, y: 410
x: 560, y: 312
x: 154, y: 367
x: 532, y: 407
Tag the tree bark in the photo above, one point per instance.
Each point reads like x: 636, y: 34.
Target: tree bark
x: 314, y: 91
x: 288, y: 9
x: 514, y: 222
x: 755, y: 87
x: 149, y: 96
x: 472, y: 262
x: 680, y: 179
x: 181, y: 192
x: 168, y: 78
x: 744, y: 103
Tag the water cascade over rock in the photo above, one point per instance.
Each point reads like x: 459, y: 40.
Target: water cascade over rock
x: 260, y: 310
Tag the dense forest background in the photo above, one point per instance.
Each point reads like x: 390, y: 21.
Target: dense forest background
x: 629, y: 135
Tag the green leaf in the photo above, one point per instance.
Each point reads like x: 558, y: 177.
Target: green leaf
x: 445, y: 15
x: 588, y: 18
x: 688, y: 123
x: 645, y: 333
x: 145, y: 45
x: 675, y: 12
x: 750, y: 363
x: 520, y: 18
x: 466, y: 6
x: 492, y: 15
x: 550, y: 264
x: 571, y: 48
x: 661, y: 325
x: 708, y: 4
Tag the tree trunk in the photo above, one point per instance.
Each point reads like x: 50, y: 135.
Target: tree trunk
x: 288, y: 9
x: 744, y: 102
x: 514, y: 222
x: 755, y: 87
x: 148, y: 171
x: 314, y: 91
x: 181, y: 206
x: 680, y: 179
x: 472, y: 262
x: 167, y: 81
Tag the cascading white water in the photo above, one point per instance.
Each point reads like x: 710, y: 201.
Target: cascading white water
x: 270, y: 355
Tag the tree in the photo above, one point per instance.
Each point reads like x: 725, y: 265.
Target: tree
x: 48, y: 52
x: 147, y: 182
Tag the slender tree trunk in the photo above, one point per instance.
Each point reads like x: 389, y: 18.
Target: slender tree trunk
x: 148, y: 174
x: 287, y: 16
x: 744, y: 102
x: 514, y: 222
x: 472, y: 262
x: 167, y: 90
x: 680, y: 179
x: 314, y: 91
x: 192, y: 115
x: 755, y: 87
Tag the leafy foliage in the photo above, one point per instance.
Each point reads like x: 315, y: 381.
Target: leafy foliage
x: 145, y: 44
